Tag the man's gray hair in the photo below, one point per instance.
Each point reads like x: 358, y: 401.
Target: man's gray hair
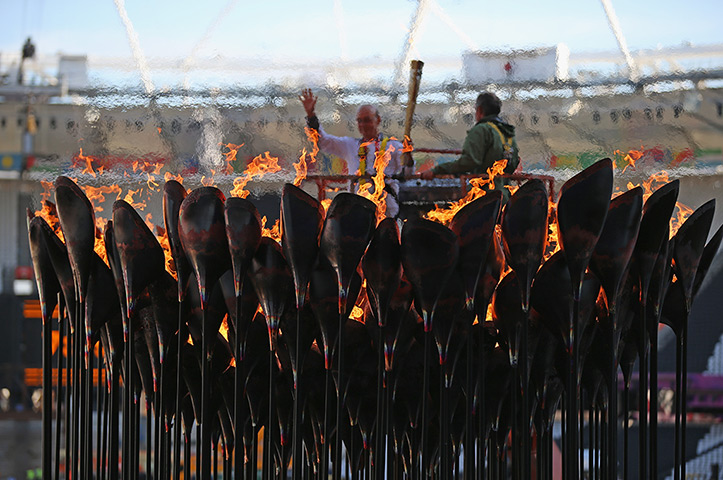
x: 368, y: 105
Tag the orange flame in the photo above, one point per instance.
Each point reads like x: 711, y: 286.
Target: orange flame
x: 87, y: 161
x: 99, y: 245
x: 273, y: 232
x: 209, y: 182
x: 230, y: 156
x: 223, y: 329
x: 163, y: 240
x: 301, y: 167
x: 149, y: 221
x: 407, y: 146
x: 445, y: 215
x: 357, y: 313
x: 630, y: 158
x: 259, y: 166
x: 681, y: 211
x: 139, y: 205
x: 151, y: 176
x: 48, y: 211
x: 169, y: 176
x: 313, y: 136
x: 379, y: 196
x: 96, y: 195
x: 553, y: 232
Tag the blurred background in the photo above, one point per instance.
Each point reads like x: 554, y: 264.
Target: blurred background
x: 118, y: 94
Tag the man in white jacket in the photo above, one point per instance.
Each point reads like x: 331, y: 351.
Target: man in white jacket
x: 360, y: 153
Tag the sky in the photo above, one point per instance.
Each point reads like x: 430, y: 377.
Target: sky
x: 332, y: 30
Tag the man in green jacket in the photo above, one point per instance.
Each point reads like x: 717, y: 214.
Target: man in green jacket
x: 488, y: 141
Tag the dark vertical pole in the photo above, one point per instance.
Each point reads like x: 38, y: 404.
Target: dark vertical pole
x: 60, y: 390
x: 253, y: 454
x: 380, y: 424
x: 324, y: 467
x: 340, y: 387
x: 178, y: 420
x: 205, y: 400
x: 444, y: 465
x: 238, y: 394
x: 643, y: 398
x: 591, y: 444
x: 99, y: 389
x: 77, y: 396
x: 198, y: 450
x: 626, y: 412
x: 525, y: 399
x: 47, y: 415
x: 214, y: 449
x: 654, y: 404
x: 684, y: 399
x: 425, y: 389
x: 159, y: 446
x: 678, y: 405
x: 581, y: 429
x: 572, y: 398
x: 613, y: 401
x: 482, y: 414
x: 469, y: 415
x: 104, y: 434
x: 114, y: 409
x: 187, y: 467
x: 149, y: 436
x: 270, y: 424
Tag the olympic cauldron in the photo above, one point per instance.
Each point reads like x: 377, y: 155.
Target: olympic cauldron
x: 314, y: 356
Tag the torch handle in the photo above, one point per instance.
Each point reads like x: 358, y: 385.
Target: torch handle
x: 415, y: 77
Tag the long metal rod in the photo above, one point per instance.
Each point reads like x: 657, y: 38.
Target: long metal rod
x: 678, y: 405
x: 425, y: 388
x: 297, y: 453
x: 238, y: 396
x: 205, y: 447
x: 469, y: 435
x: 47, y: 415
x: 379, y: 450
x: 683, y: 397
x: 60, y: 389
x: 178, y: 414
x: 525, y: 398
x: 643, y: 398
x: 653, y: 423
x: 340, y: 387
x: 149, y: 437
x: 100, y: 396
x: 626, y: 428
x: 573, y: 392
x: 113, y: 430
x: 613, y: 400
x: 68, y: 407
x: 324, y: 467
x: 269, y: 435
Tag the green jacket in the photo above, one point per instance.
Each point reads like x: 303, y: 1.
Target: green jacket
x: 482, y: 148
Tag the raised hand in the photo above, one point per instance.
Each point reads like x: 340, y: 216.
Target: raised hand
x: 308, y: 100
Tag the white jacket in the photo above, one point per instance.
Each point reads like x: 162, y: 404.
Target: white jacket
x: 347, y: 148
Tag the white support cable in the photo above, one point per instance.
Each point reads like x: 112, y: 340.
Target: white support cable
x: 190, y: 59
x: 406, y: 56
x: 622, y: 44
x: 135, y: 45
x: 341, y: 27
x: 439, y: 11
